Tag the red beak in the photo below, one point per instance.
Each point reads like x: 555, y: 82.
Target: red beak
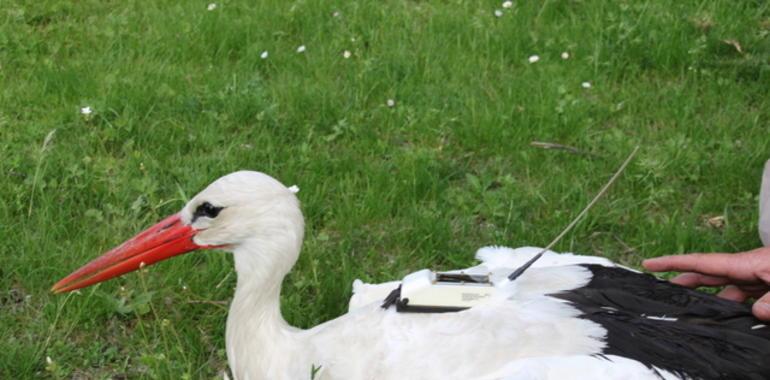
x: 164, y: 240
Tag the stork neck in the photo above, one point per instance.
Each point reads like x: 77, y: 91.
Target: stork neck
x: 258, y: 300
x: 261, y: 267
x: 255, y: 323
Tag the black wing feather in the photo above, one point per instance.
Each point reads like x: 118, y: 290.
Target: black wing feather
x: 712, y: 338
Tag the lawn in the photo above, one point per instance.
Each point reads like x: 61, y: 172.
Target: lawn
x: 407, y: 125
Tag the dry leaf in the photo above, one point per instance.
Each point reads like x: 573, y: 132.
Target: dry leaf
x: 717, y: 222
x: 735, y: 44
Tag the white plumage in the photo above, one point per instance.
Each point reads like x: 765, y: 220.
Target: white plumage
x: 567, y: 317
x: 522, y: 334
x: 498, y: 260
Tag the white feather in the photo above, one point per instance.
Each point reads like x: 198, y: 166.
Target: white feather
x: 498, y: 260
x: 365, y: 294
x: 577, y: 367
x: 521, y: 334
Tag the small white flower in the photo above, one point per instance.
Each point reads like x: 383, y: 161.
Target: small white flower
x: 534, y: 58
x: 346, y: 54
x: 336, y: 14
x: 264, y: 55
x: 184, y: 287
x: 498, y: 13
x: 301, y: 49
x: 294, y: 189
x: 391, y: 103
x: 507, y: 4
x: 586, y: 84
x: 212, y: 6
x: 565, y: 55
x: 86, y: 111
x: 48, y: 360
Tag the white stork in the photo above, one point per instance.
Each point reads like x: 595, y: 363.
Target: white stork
x: 567, y: 317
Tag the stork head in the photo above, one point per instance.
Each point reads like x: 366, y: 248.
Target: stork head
x: 241, y: 210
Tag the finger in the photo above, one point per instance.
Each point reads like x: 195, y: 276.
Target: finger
x: 713, y: 264
x: 665, y: 263
x: 694, y: 280
x: 733, y: 293
x: 761, y: 308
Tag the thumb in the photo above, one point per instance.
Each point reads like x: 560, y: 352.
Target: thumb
x: 761, y: 308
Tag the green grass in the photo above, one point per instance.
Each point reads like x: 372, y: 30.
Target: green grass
x: 181, y: 96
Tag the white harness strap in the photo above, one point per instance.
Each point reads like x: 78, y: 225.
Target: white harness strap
x: 764, y: 207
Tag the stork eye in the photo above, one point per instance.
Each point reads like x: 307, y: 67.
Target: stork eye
x: 206, y: 209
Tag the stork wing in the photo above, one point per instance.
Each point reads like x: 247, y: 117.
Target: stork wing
x: 646, y: 327
x: 670, y: 327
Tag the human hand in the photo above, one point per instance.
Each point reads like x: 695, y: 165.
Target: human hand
x: 745, y: 275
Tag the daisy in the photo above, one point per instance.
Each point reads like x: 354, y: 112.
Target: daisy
x: 301, y: 49
x: 507, y: 4
x: 264, y: 55
x: 534, y: 58
x: 565, y: 55
x: 346, y: 54
x: 498, y: 13
x: 586, y: 84
x: 212, y: 6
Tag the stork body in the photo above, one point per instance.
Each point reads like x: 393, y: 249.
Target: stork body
x: 372, y: 343
x: 567, y: 317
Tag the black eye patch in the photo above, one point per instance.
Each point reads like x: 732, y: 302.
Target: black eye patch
x: 206, y: 209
